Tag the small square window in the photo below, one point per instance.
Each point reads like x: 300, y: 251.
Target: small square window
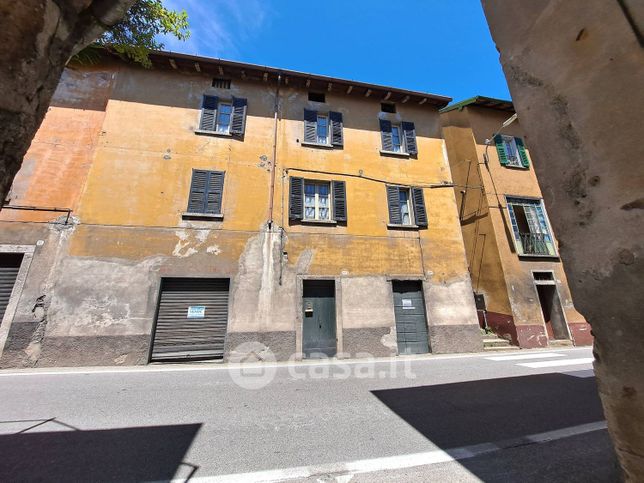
x: 317, y: 97
x: 221, y: 83
x: 388, y: 107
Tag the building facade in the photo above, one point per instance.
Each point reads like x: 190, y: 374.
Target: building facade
x: 519, y: 283
x: 211, y: 209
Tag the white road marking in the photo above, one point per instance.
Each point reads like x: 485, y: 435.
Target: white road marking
x: 400, y: 461
x: 543, y: 355
x: 218, y: 366
x: 557, y: 363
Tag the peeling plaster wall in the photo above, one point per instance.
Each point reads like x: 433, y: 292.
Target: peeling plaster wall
x: 101, y: 287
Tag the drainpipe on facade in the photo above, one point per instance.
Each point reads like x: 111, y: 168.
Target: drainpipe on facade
x: 273, y: 164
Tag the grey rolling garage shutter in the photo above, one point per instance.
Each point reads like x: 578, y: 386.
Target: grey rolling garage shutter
x: 339, y: 201
x: 238, y: 121
x: 385, y: 133
x: 9, y: 266
x: 310, y: 126
x: 420, y: 213
x: 296, y: 198
x: 409, y: 130
x: 393, y: 201
x: 191, y: 319
x: 208, y: 113
x: 337, y: 136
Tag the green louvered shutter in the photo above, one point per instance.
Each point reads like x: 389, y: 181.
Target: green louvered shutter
x: 339, y: 201
x: 310, y: 126
x: 420, y: 213
x: 409, y: 131
x: 215, y: 192
x: 238, y: 118
x: 208, y: 113
x: 523, y: 155
x: 500, y: 149
x: 296, y: 198
x: 198, y: 189
x: 337, y: 136
x: 393, y: 201
x: 385, y: 133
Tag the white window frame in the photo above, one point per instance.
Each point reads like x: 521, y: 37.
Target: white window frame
x: 317, y: 206
x: 510, y: 144
x: 230, y: 117
x: 317, y: 127
x: 401, y: 135
x: 410, y: 207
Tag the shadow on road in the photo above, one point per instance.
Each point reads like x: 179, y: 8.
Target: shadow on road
x: 494, y: 410
x: 152, y: 453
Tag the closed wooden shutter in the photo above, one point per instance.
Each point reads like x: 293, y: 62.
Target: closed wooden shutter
x: 523, y: 155
x: 420, y: 213
x: 9, y: 267
x: 192, y: 319
x: 310, y: 126
x: 208, y: 113
x: 385, y: 134
x: 393, y: 201
x: 500, y: 149
x: 215, y: 192
x: 238, y: 120
x: 296, y: 198
x: 337, y: 136
x: 206, y: 192
x: 339, y: 201
x: 409, y: 131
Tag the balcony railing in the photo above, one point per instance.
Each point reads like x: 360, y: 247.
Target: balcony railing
x: 535, y: 244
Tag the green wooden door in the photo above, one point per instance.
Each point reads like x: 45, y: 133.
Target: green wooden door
x: 318, y: 331
x: 411, y: 323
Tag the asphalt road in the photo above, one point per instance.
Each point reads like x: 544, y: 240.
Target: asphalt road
x: 490, y: 417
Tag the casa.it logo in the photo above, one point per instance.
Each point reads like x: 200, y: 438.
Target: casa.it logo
x: 251, y: 365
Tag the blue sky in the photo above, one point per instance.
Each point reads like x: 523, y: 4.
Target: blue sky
x: 437, y: 46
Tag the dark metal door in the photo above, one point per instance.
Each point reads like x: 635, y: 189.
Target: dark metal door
x: 411, y: 323
x: 191, y: 319
x: 9, y: 266
x: 318, y: 331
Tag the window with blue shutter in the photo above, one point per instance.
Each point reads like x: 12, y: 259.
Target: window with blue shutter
x: 323, y: 129
x: 398, y: 138
x: 206, y: 192
x: 406, y: 207
x: 227, y: 117
x: 317, y: 201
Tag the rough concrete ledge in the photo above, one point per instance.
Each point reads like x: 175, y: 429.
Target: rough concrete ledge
x: 369, y: 342
x: 280, y: 343
x: 446, y: 339
x: 531, y: 336
x: 74, y: 351
x: 581, y: 333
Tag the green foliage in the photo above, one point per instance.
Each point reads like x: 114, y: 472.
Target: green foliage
x: 137, y: 34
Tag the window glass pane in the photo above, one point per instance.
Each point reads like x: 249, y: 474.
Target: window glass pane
x: 309, y: 201
x: 395, y: 138
x: 511, y: 151
x: 322, y: 129
x: 405, y: 216
x: 323, y: 201
x: 223, y: 117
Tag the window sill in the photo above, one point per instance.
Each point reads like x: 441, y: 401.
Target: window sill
x: 521, y: 168
x: 317, y: 145
x: 394, y: 153
x: 528, y: 255
x: 402, y: 227
x: 213, y: 133
x: 202, y: 216
x: 319, y: 222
